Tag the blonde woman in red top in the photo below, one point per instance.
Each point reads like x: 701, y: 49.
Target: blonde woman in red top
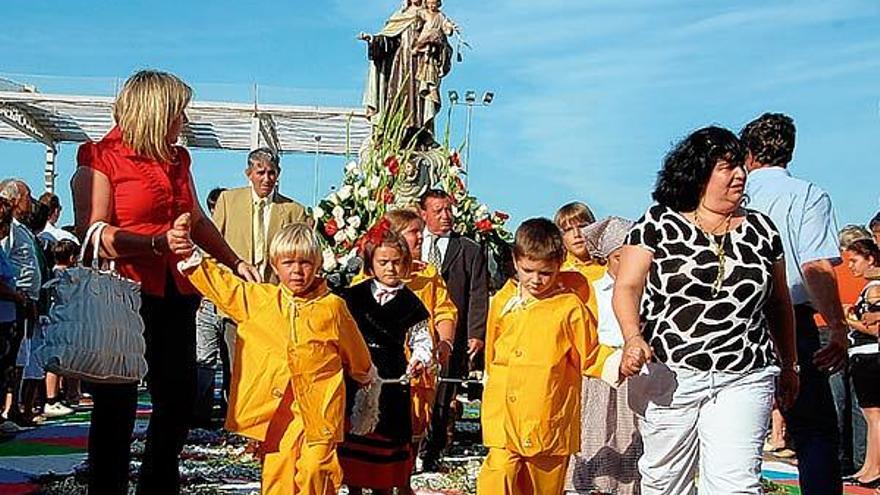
x: 138, y: 181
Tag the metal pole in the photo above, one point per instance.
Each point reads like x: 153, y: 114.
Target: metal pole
x: 467, y: 156
x: 317, y: 171
x: 49, y: 177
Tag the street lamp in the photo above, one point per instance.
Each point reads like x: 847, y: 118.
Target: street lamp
x: 470, y: 101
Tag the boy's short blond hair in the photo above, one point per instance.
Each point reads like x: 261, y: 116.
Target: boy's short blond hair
x: 574, y: 213
x: 296, y: 240
x: 539, y: 239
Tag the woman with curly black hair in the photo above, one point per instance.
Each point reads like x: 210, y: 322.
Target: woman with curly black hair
x: 707, y: 322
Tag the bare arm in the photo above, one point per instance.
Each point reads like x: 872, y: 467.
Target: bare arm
x: 821, y: 283
x: 92, y: 202
x: 635, y: 263
x: 207, y: 237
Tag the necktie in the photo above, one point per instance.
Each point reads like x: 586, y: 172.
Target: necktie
x: 434, y: 256
x: 259, y: 232
x: 385, y: 295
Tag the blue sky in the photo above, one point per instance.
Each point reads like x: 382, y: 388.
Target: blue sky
x: 590, y: 94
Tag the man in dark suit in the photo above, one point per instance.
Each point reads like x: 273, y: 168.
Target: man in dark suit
x: 463, y: 266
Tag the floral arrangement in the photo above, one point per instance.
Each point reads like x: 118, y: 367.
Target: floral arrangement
x: 369, y: 188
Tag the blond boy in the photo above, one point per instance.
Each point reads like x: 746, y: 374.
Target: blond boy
x: 294, y: 343
x: 540, y: 340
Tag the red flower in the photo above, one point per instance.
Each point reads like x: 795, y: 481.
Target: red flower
x: 455, y: 159
x: 388, y: 197
x: 502, y: 215
x: 374, y: 235
x: 330, y: 228
x: 392, y: 164
x: 484, y: 225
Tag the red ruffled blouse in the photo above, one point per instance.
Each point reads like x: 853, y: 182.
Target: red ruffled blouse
x: 147, y: 197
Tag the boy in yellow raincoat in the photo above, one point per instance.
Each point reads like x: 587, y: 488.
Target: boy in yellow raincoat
x: 540, y: 340
x: 294, y: 342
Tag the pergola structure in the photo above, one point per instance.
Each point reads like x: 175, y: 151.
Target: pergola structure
x: 51, y: 119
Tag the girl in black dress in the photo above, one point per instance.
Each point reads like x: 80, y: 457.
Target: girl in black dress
x: 394, y: 323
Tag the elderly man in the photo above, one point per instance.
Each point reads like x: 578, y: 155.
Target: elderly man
x: 20, y: 248
x: 463, y: 266
x: 249, y: 217
x: 805, y: 218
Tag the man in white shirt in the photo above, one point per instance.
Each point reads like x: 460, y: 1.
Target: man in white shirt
x: 804, y: 216
x: 463, y: 266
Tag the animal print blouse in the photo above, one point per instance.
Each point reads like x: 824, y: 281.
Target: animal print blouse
x: 683, y: 319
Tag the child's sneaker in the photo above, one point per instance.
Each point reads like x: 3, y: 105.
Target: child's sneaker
x: 56, y: 410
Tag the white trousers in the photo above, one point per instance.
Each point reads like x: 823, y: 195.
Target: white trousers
x: 708, y: 422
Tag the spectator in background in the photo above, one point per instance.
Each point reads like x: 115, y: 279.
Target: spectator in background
x: 21, y: 249
x: 64, y: 254
x: 10, y: 300
x: 864, y: 261
x: 51, y: 232
x: 850, y: 421
x: 804, y: 215
x: 30, y: 374
x: 212, y: 347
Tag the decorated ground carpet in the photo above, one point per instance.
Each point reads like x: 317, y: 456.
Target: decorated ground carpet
x: 45, y: 460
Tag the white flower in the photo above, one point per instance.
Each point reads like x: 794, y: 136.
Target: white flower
x: 454, y: 171
x: 339, y: 214
x: 351, y: 233
x: 339, y: 236
x: 333, y: 198
x: 344, y: 192
x: 329, y: 260
x: 371, y: 205
x: 318, y: 213
x: 352, y: 167
x: 354, y: 221
x: 362, y: 192
x: 482, y: 211
x: 374, y: 182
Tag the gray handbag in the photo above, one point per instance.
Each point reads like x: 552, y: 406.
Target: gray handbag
x: 95, y: 330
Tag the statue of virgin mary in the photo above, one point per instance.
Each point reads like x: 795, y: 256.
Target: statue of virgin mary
x: 394, y: 65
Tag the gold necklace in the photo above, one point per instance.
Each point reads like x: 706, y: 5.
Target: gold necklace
x: 718, y: 247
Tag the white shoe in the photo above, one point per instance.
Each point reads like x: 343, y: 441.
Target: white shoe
x: 9, y: 428
x: 56, y: 410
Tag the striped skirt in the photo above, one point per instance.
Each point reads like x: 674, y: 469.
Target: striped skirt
x: 374, y: 461
x: 610, y: 443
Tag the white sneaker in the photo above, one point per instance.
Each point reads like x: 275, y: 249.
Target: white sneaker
x: 9, y: 428
x: 56, y: 410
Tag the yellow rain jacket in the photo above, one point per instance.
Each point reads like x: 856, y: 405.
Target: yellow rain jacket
x: 307, y: 341
x: 536, y: 354
x: 592, y: 271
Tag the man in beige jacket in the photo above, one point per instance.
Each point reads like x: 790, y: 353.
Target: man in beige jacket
x: 248, y: 217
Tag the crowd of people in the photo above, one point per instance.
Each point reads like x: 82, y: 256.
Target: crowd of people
x: 664, y: 355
